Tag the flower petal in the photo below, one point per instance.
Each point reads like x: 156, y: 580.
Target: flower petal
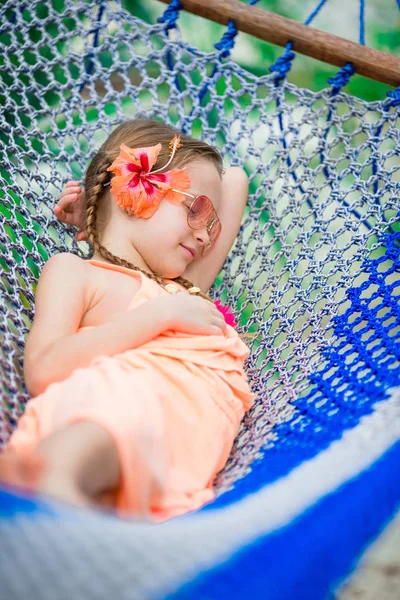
x: 147, y: 156
x: 135, y: 159
x: 140, y: 196
x: 227, y: 313
x: 179, y: 179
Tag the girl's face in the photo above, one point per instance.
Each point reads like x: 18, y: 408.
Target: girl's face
x: 156, y: 244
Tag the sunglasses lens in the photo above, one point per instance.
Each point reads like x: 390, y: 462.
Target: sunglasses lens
x: 213, y: 234
x: 201, y: 212
x: 215, y: 231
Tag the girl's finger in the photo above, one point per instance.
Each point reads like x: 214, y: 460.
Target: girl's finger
x: 222, y: 324
x: 69, y: 189
x: 66, y: 201
x: 219, y: 323
x: 217, y: 313
x: 64, y: 217
x: 218, y: 330
x: 70, y: 184
x: 81, y: 236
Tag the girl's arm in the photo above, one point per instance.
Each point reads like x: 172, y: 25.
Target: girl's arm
x: 55, y: 348
x: 203, y: 271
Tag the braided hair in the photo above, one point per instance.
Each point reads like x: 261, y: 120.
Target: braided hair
x: 138, y: 133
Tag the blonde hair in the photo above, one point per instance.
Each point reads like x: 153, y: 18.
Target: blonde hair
x: 139, y: 133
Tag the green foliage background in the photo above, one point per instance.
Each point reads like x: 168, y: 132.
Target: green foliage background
x: 340, y: 17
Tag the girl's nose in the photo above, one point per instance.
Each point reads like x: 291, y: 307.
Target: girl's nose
x: 202, y: 236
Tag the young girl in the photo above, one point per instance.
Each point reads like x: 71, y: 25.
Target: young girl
x: 136, y: 378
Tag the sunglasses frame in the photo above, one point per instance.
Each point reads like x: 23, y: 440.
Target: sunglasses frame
x: 208, y: 227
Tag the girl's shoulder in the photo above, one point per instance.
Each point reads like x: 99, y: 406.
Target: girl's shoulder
x: 65, y: 275
x: 64, y: 265
x: 72, y: 293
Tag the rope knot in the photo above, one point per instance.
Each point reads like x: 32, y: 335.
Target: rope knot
x: 341, y: 78
x: 171, y: 14
x: 227, y: 41
x: 283, y: 64
x: 395, y: 94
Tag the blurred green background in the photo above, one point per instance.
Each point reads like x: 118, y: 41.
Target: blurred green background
x: 340, y: 17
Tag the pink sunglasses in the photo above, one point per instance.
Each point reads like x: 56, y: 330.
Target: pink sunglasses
x: 202, y: 214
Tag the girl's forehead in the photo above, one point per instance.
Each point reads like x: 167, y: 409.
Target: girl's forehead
x: 205, y: 179
x: 201, y: 167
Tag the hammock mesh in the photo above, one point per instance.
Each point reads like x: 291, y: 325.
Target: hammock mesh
x: 315, y: 268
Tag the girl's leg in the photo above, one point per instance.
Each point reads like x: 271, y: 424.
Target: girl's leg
x: 81, y: 463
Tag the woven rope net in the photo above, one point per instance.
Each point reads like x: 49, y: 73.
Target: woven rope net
x: 315, y: 268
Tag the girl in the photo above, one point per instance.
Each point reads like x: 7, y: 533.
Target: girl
x: 137, y: 380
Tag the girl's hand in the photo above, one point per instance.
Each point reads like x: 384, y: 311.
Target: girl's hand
x: 70, y: 208
x: 192, y: 314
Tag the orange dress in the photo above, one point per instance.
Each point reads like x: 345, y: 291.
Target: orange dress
x: 173, y: 407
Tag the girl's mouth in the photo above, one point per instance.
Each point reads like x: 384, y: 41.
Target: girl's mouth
x: 188, y: 251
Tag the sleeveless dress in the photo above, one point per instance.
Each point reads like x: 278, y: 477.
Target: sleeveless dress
x: 173, y: 407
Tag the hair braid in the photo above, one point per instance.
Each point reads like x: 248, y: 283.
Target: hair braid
x: 92, y: 202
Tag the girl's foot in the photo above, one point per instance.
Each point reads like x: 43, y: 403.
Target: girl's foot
x: 28, y: 472
x: 22, y: 470
x: 61, y: 487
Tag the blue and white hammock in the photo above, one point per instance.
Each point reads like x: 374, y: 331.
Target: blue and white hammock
x: 313, y: 476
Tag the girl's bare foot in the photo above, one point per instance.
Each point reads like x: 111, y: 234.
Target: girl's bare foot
x: 78, y: 464
x: 61, y: 487
x: 23, y: 470
x: 28, y: 472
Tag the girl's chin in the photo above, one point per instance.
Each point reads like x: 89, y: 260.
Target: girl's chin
x: 173, y: 273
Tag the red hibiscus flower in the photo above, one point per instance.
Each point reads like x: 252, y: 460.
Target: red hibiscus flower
x: 139, y: 190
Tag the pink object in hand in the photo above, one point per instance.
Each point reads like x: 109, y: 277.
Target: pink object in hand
x: 228, y: 314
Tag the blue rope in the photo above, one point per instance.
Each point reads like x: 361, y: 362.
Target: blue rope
x: 312, y: 16
x: 89, y: 68
x: 14, y: 17
x: 362, y: 22
x: 341, y: 78
x: 395, y: 94
x: 283, y: 64
x: 338, y: 81
x: 227, y: 41
x: 171, y: 15
x: 394, y: 101
x: 225, y: 46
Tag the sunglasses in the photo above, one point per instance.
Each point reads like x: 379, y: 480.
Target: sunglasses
x: 202, y: 214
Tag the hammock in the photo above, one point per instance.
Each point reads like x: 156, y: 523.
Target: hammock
x: 314, y: 273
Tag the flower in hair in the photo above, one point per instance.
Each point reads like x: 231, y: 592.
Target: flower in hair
x: 139, y: 190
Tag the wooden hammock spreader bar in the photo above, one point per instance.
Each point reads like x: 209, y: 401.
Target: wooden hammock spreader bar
x: 306, y: 40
